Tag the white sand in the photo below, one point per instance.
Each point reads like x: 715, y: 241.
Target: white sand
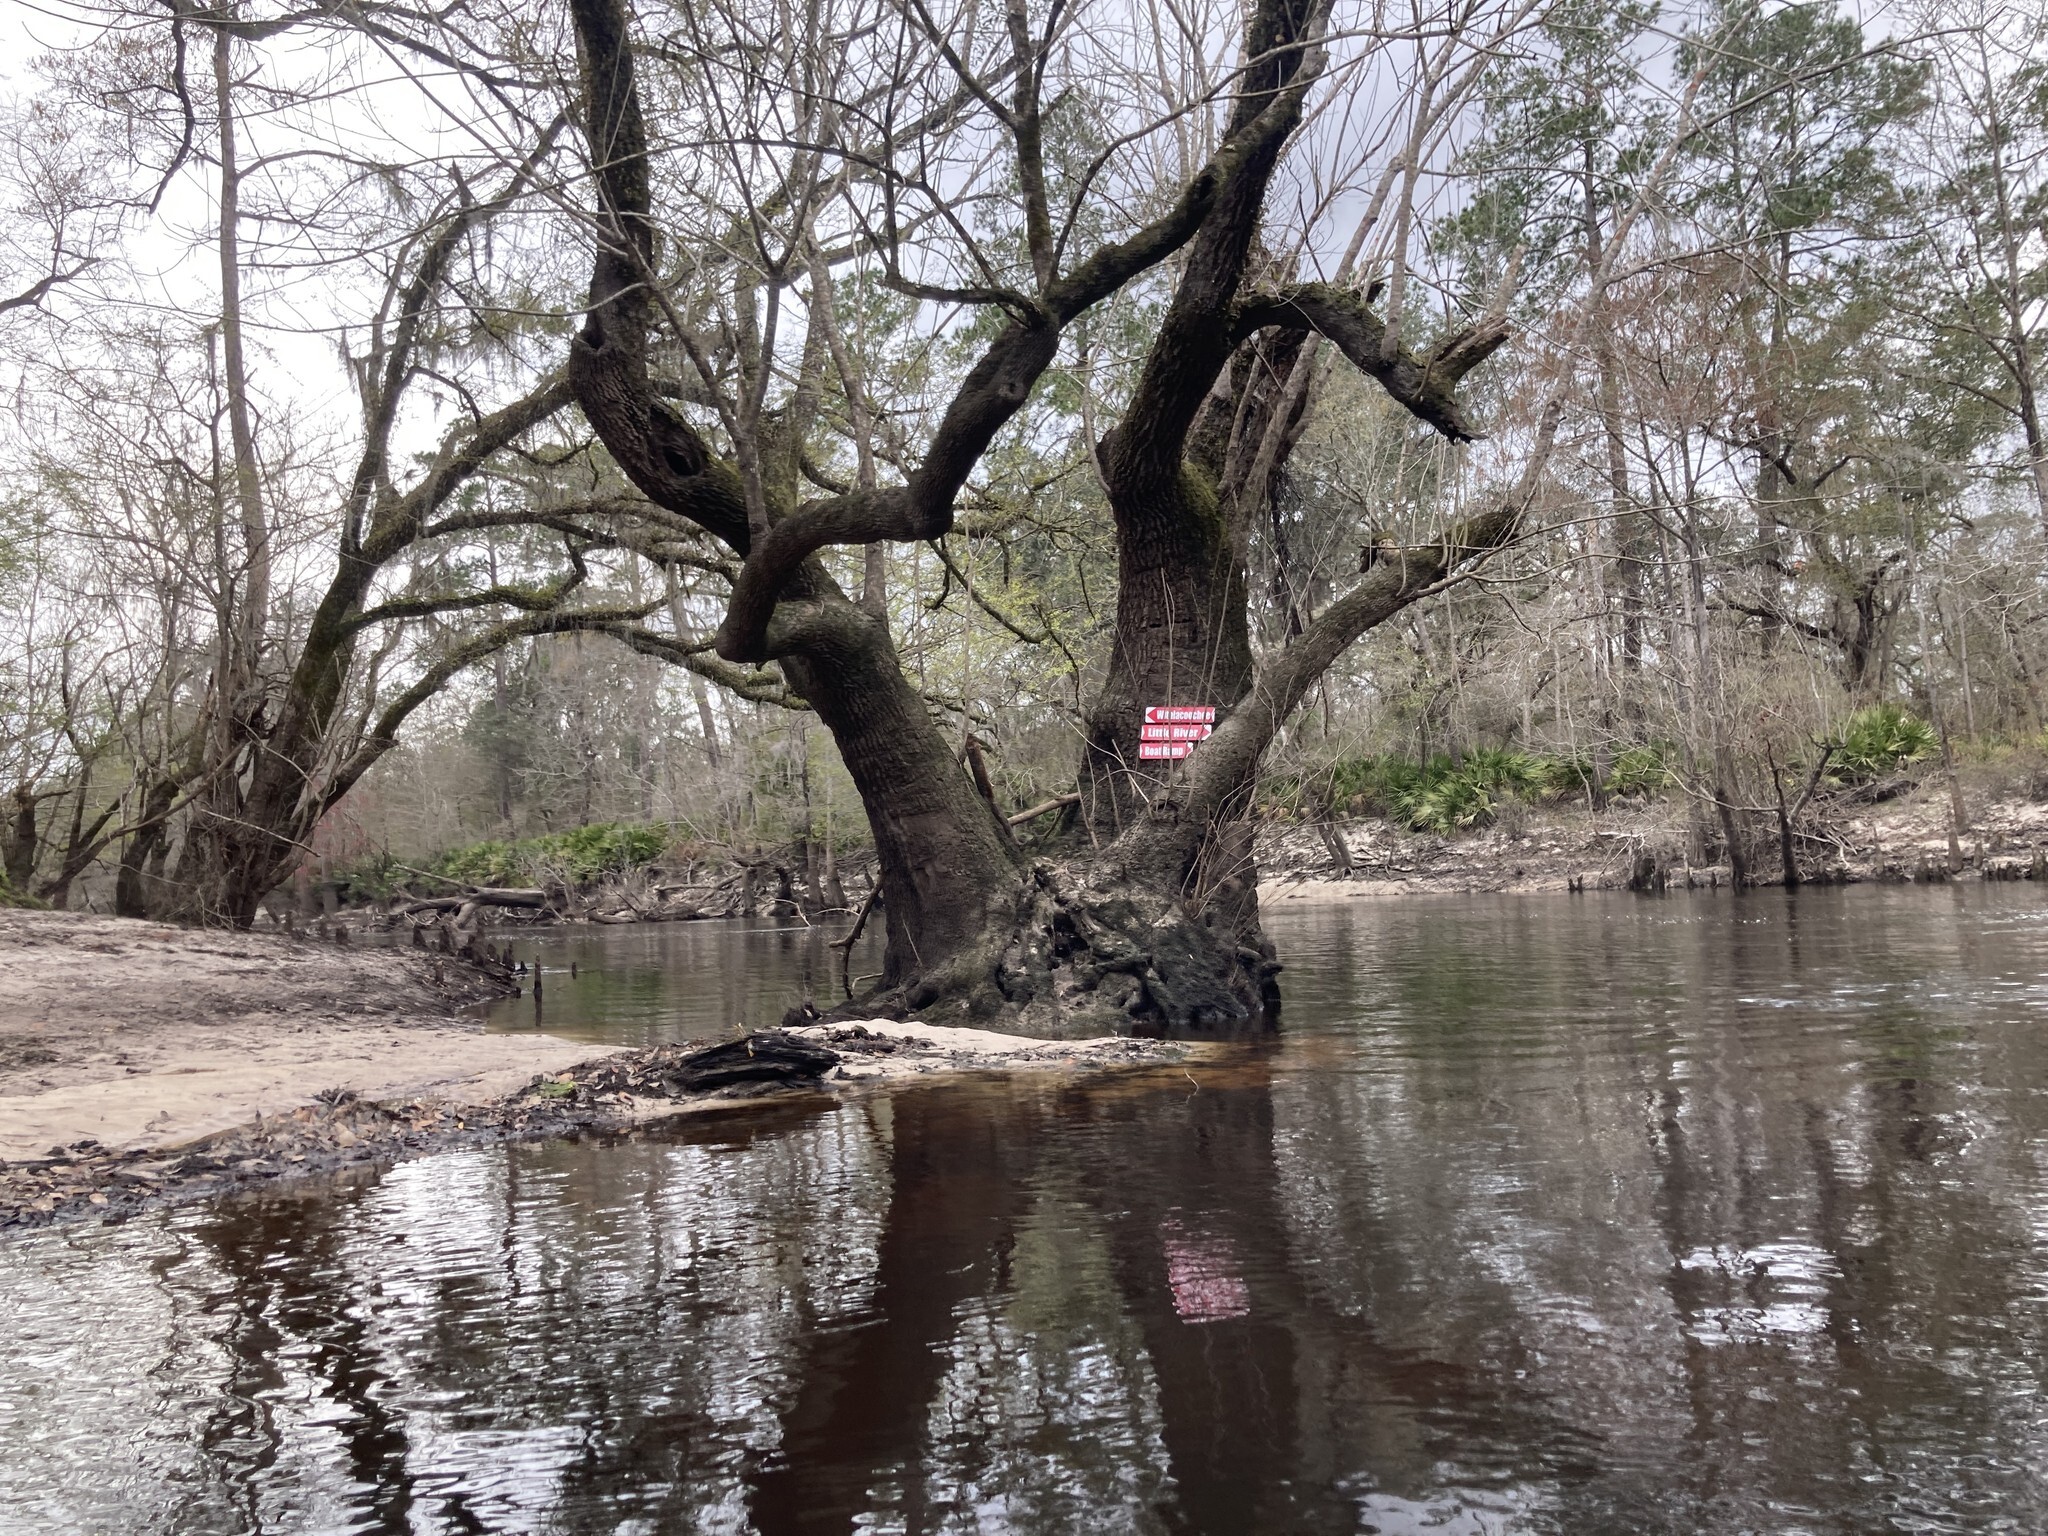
x: 139, y: 1035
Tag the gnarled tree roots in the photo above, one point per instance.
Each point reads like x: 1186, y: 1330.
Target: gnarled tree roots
x: 1076, y: 951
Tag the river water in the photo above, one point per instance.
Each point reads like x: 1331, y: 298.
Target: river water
x: 1550, y: 1215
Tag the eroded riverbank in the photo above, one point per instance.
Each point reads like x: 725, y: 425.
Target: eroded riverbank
x: 1533, y: 849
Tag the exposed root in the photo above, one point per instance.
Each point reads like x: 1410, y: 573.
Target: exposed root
x: 1076, y: 953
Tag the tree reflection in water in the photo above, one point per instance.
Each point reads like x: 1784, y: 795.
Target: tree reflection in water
x: 966, y: 1302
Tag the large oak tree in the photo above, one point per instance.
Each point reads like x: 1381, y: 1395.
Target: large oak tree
x: 1144, y: 915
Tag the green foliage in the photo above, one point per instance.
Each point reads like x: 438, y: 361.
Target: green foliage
x: 1879, y: 740
x: 576, y: 856
x: 1454, y: 802
x: 1776, y: 160
x: 582, y: 854
x: 1504, y: 771
x: 1446, y: 797
x: 1565, y: 775
x: 1641, y: 771
x: 1562, y: 127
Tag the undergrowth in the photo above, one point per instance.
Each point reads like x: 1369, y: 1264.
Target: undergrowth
x: 1879, y: 740
x: 574, y: 857
x: 1446, y: 795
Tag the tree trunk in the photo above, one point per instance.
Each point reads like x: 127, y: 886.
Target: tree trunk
x: 131, y: 884
x: 1181, y: 639
x: 948, y: 865
x: 24, y: 840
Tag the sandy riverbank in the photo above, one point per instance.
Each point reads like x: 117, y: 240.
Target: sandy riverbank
x: 138, y: 1035
x: 141, y: 1063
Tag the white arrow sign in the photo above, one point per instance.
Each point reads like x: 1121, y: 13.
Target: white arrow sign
x: 1180, y: 714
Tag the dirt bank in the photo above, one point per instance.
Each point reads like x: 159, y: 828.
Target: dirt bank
x: 136, y: 1035
x: 141, y: 1064
x: 137, y: 1059
x: 1537, y: 848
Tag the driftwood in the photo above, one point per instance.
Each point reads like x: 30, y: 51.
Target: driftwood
x: 845, y: 945
x: 486, y: 896
x: 759, y: 882
x: 1878, y: 792
x: 770, y: 1058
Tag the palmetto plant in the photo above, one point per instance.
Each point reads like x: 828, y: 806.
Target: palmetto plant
x: 1879, y: 740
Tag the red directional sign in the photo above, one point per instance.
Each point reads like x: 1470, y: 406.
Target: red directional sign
x: 1170, y: 731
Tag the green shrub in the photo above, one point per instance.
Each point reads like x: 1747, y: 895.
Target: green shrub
x: 1437, y: 797
x: 1878, y: 740
x: 483, y: 863
x: 589, y: 852
x: 1641, y: 771
x: 1399, y: 784
x: 1354, y: 779
x: 579, y: 855
x: 1456, y: 802
x: 1565, y: 776
x: 1504, y: 771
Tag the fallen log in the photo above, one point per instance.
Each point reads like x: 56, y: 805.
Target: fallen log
x: 769, y: 1058
x: 485, y: 896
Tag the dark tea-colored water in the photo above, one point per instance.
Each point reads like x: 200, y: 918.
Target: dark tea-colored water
x: 655, y: 983
x: 1551, y: 1215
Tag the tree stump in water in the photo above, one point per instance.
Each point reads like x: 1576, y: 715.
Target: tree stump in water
x: 765, y: 1060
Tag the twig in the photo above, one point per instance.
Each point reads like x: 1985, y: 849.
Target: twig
x: 845, y: 945
x: 1036, y: 811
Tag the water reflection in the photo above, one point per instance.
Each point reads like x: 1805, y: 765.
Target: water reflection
x: 1572, y: 1217
x: 650, y: 983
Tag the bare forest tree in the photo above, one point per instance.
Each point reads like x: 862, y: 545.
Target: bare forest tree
x: 269, y: 697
